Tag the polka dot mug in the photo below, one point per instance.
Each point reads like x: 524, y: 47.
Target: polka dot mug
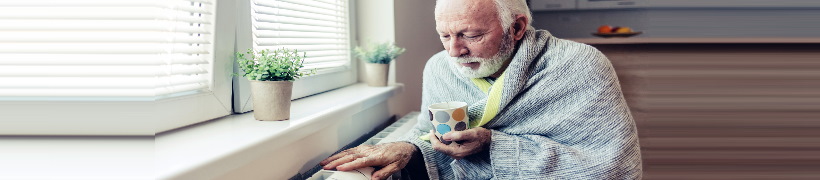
x: 448, y: 116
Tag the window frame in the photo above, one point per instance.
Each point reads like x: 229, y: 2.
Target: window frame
x: 133, y: 117
x: 303, y: 87
x: 229, y: 93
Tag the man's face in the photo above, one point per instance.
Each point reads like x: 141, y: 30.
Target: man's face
x: 472, y: 34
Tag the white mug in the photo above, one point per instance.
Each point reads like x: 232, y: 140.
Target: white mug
x: 448, y: 116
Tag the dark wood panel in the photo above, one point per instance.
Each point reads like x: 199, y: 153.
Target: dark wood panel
x: 720, y: 172
x: 733, y: 157
x: 728, y: 111
x: 731, y: 143
x: 743, y: 119
x: 701, y: 103
x: 727, y: 132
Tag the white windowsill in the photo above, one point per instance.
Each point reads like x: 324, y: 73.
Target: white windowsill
x: 208, y: 149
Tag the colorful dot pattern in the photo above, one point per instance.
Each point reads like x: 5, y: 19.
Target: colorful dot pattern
x: 460, y: 126
x: 443, y: 128
x: 445, y: 121
x: 442, y: 117
x: 458, y: 114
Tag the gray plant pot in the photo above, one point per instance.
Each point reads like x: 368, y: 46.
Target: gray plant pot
x: 271, y: 100
x: 376, y: 74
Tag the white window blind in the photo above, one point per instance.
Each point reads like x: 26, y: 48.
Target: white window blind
x: 105, y: 48
x: 317, y: 27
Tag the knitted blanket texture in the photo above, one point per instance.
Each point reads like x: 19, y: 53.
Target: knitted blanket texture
x: 562, y: 116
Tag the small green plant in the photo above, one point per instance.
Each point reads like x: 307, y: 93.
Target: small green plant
x: 381, y: 53
x: 272, y: 65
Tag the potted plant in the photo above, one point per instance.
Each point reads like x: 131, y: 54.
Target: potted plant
x: 377, y: 58
x: 271, y: 74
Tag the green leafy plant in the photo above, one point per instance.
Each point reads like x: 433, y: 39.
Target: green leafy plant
x: 272, y: 65
x: 381, y: 53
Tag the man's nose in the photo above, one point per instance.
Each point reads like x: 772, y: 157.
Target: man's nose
x: 457, y: 49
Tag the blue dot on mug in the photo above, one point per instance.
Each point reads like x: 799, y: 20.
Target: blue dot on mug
x: 460, y: 126
x: 442, y: 117
x: 442, y: 129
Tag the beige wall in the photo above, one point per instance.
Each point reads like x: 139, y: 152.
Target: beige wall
x: 374, y: 23
x: 415, y: 31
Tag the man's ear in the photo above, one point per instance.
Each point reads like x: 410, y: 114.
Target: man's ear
x: 519, y: 26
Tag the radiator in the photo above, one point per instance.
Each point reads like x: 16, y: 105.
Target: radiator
x: 388, y: 134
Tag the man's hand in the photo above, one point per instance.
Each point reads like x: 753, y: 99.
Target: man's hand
x: 471, y: 141
x: 391, y: 157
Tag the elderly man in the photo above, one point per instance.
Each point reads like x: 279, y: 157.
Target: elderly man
x: 546, y: 108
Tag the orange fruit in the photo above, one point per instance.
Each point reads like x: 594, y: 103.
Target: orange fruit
x: 605, y: 29
x: 623, y: 30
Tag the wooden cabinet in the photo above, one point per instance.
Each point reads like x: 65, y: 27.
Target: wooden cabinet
x: 723, y: 111
x: 552, y: 5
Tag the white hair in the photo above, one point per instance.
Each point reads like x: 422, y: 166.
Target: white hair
x: 507, y: 10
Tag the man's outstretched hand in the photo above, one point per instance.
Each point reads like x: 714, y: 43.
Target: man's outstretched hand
x: 391, y: 157
x: 472, y: 141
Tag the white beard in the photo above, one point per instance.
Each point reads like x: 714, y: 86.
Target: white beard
x: 487, y: 66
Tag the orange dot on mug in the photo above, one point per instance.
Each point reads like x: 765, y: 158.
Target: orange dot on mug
x: 458, y: 114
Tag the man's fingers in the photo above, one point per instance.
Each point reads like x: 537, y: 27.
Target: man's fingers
x: 366, y: 161
x: 455, y: 135
x: 386, y: 171
x: 433, y: 139
x: 335, y: 156
x: 439, y: 146
x: 339, y: 161
x: 469, y: 134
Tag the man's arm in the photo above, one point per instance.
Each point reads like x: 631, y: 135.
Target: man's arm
x: 384, y: 155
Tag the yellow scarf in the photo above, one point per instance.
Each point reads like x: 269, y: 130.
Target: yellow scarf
x: 493, y: 99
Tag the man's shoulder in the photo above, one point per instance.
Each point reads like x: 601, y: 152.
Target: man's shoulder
x: 571, y: 47
x: 438, y: 58
x: 567, y: 52
x: 555, y: 44
x: 437, y: 63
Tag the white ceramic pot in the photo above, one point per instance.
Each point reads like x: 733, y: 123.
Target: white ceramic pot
x: 376, y: 74
x: 271, y: 100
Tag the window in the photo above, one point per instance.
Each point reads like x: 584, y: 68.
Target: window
x: 110, y: 67
x: 321, y: 28
x: 140, y: 67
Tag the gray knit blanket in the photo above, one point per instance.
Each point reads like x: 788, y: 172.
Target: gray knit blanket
x: 562, y: 116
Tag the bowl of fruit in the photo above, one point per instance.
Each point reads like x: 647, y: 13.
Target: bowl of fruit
x: 617, y: 31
